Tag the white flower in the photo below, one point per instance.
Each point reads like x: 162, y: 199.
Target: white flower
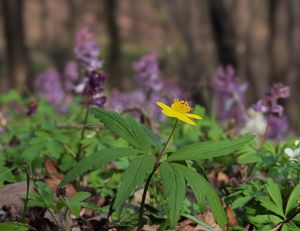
x: 256, y: 123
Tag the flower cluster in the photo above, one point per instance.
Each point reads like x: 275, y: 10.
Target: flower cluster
x: 269, y: 103
x: 71, y: 76
x: 152, y: 89
x: 230, y: 95
x: 94, y: 87
x: 49, y: 85
x: 87, y: 51
x: 277, y: 123
x: 147, y: 69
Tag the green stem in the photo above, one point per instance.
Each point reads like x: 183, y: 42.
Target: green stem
x: 78, y: 154
x: 156, y: 165
x: 27, y: 193
x: 166, y: 144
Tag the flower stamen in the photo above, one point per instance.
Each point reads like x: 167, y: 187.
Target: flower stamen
x: 181, y: 106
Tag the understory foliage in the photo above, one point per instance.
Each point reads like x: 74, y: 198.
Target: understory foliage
x: 236, y: 164
x: 131, y: 150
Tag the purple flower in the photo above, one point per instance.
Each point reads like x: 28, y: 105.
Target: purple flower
x: 121, y: 101
x: 94, y: 87
x: 87, y: 51
x: 95, y: 83
x: 71, y: 76
x: 152, y: 89
x: 97, y: 101
x: 230, y: 95
x: 48, y: 84
x: 147, y: 69
x: 277, y: 123
x: 269, y: 103
x: 277, y: 127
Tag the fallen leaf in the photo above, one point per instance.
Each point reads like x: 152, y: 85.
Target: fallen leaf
x: 231, y: 217
x: 11, y: 195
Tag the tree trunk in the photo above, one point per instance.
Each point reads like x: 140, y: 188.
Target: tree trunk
x: 114, y: 52
x: 223, y: 32
x: 279, y: 39
x: 16, y: 53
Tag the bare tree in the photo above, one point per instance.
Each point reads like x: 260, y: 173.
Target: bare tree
x: 223, y: 32
x: 114, y: 52
x: 16, y: 53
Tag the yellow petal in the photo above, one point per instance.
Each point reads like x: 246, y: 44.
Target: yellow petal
x: 170, y: 113
x: 163, y: 106
x: 185, y: 119
x: 194, y: 116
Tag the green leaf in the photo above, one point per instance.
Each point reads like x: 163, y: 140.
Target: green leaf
x: 13, y: 226
x: 248, y: 158
x: 199, y: 222
x: 209, y: 149
x: 270, y: 205
x: 80, y: 196
x: 134, y: 176
x: 174, y: 191
x: 129, y: 129
x: 292, y: 226
x: 294, y: 199
x: 74, y: 207
x: 241, y: 201
x: 265, y: 219
x: 202, y: 188
x: 95, y: 161
x: 274, y: 192
x: 296, y: 218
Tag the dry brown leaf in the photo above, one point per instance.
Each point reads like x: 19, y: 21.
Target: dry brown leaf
x: 277, y: 227
x: 54, y: 177
x: 247, y: 228
x: 101, y: 201
x: 150, y: 227
x: 231, y: 217
x: 54, y: 181
x: 51, y: 167
x: 11, y: 195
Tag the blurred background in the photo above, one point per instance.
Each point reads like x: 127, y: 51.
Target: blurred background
x: 259, y: 38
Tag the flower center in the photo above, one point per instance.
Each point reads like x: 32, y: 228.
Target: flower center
x: 181, y: 106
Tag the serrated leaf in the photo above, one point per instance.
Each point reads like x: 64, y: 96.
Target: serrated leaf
x: 270, y: 205
x: 274, y: 193
x: 174, y: 191
x: 202, y: 188
x: 294, y: 199
x: 209, y: 149
x: 129, y: 129
x: 134, y: 176
x: 95, y: 161
x: 265, y: 219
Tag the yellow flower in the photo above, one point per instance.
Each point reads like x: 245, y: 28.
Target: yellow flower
x: 179, y: 109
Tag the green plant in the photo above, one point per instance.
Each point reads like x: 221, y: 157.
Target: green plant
x: 175, y: 168
x: 278, y: 216
x: 44, y: 197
